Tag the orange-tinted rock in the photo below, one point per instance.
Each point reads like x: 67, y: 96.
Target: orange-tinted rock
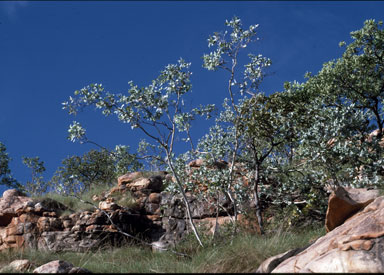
x: 154, y: 198
x: 49, y: 214
x: 94, y: 227
x: 344, y: 202
x: 16, y: 229
x: 356, y: 245
x: 153, y: 183
x: 109, y: 228
x: 151, y: 207
x: 11, y: 203
x: 14, y: 241
x: 128, y: 178
x: 97, y: 218
x: 23, y: 218
x: 68, y: 223
x: 49, y: 224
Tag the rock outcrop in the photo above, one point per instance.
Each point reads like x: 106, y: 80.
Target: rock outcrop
x: 40, y: 225
x: 137, y: 206
x: 345, y: 202
x: 356, y: 245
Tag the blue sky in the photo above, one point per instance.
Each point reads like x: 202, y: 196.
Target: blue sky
x: 50, y: 49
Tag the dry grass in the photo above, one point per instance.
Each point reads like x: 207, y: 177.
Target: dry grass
x: 243, y: 254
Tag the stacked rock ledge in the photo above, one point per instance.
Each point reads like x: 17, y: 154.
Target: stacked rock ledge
x: 154, y: 216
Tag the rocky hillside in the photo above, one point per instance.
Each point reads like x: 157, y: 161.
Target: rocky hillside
x: 354, y: 219
x: 157, y: 217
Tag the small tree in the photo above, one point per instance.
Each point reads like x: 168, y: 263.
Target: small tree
x: 226, y: 57
x: 95, y: 168
x: 5, y: 173
x: 266, y: 131
x: 37, y: 185
x: 156, y: 110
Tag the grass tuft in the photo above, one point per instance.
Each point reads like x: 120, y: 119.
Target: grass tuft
x: 74, y: 204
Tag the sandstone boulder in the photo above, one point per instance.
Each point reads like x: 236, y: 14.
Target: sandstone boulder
x: 345, y: 202
x: 59, y: 266
x: 355, y: 246
x: 271, y: 263
x: 128, y: 178
x: 108, y: 205
x: 11, y: 203
x: 154, y: 198
x: 153, y: 183
x: 134, y: 176
x: 17, y: 266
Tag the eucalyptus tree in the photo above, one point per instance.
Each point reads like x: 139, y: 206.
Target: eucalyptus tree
x: 6, y: 177
x: 268, y: 128
x: 157, y: 110
x: 351, y: 93
x: 358, y: 76
x: 244, y: 83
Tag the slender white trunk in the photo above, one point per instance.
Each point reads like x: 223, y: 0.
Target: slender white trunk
x: 185, y: 201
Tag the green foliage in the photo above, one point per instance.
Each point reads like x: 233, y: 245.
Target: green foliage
x: 37, y: 185
x: 357, y: 76
x: 158, y: 110
x: 311, y: 135
x: 347, y: 104
x: 290, y: 145
x: 6, y: 177
x: 95, y: 168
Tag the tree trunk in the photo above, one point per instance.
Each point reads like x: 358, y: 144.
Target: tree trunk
x: 257, y: 201
x: 185, y: 201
